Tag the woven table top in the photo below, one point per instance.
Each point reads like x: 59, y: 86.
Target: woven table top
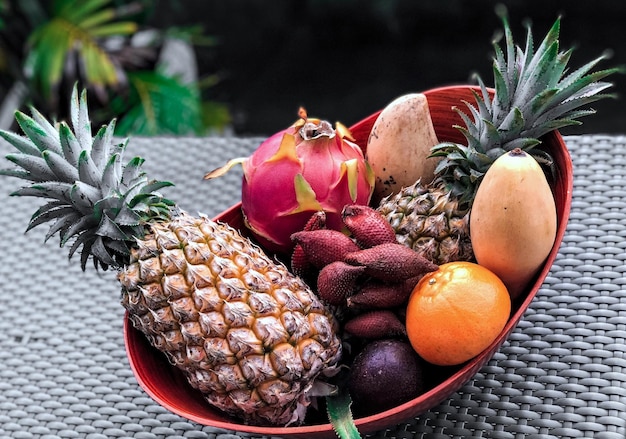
x: 561, y: 374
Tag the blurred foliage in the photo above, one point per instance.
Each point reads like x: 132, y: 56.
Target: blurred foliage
x: 106, y: 47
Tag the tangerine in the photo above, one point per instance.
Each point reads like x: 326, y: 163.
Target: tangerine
x: 455, y: 312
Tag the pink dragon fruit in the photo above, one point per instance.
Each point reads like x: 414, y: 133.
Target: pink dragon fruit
x: 298, y: 171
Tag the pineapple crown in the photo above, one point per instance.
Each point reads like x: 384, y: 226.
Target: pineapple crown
x: 533, y: 94
x: 93, y: 199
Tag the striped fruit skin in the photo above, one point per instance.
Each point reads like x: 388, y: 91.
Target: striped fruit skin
x: 247, y: 333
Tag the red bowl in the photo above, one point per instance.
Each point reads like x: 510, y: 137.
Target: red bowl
x: 167, y: 386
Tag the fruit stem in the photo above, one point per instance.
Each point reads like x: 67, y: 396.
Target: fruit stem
x: 517, y: 152
x: 313, y: 130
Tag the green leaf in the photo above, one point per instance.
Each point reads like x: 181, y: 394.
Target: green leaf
x: 62, y: 225
x: 512, y: 124
x: 79, y: 113
x: 21, y: 143
x: 37, y: 134
x: 101, y: 254
x: 121, y: 28
x: 69, y: 144
x: 100, y: 150
x: 77, y: 226
x: 60, y: 167
x: 340, y: 416
x: 43, y: 216
x: 75, y: 26
x: 41, y: 120
x: 110, y: 174
x: 49, y: 47
x: 78, y: 11
x: 89, y: 21
x: 99, y: 69
x: 36, y: 166
x: 87, y: 169
x: 155, y: 186
x: 132, y: 171
x: 158, y: 104
x: 84, y: 196
x: 108, y: 228
x: 48, y: 189
x: 17, y: 173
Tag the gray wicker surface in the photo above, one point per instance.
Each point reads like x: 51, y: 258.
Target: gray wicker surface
x: 561, y: 374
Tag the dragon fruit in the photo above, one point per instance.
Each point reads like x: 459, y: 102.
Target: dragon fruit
x: 306, y: 168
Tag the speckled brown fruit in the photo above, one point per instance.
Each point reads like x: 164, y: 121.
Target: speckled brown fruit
x: 391, y: 262
x: 337, y: 281
x: 300, y: 265
x: 368, y: 226
x: 379, y: 295
x: 375, y: 324
x: 322, y: 247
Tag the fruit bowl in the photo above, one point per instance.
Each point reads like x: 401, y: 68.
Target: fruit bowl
x: 167, y: 386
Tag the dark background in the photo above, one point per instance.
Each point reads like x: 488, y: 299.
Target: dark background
x: 345, y: 59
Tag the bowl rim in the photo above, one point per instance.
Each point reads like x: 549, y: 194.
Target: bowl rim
x: 413, y: 407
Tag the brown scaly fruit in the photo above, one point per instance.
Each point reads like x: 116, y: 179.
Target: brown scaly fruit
x: 391, y: 262
x: 376, y: 324
x: 300, y: 265
x: 247, y: 333
x: 380, y: 295
x: 324, y: 246
x: 366, y: 285
x: 337, y: 281
x: 367, y: 226
x: 534, y: 94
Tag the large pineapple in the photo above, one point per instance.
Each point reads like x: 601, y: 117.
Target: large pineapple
x: 247, y: 333
x: 532, y: 96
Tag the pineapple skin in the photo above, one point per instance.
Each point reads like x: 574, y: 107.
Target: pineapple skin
x: 428, y: 219
x: 248, y: 334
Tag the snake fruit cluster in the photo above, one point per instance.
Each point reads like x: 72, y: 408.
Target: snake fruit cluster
x: 366, y: 273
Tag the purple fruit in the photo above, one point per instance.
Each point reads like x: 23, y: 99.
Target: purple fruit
x: 386, y: 373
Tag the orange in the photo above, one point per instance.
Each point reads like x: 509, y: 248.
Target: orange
x: 455, y: 312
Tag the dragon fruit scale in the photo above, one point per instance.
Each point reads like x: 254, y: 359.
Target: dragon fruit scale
x: 306, y: 168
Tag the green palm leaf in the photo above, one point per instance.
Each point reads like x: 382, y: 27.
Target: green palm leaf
x: 76, y: 26
x: 159, y: 104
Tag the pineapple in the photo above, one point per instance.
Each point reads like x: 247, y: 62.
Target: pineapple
x: 533, y: 95
x: 247, y: 333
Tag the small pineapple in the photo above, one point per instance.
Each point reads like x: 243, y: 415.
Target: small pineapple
x: 532, y: 97
x: 428, y: 219
x: 247, y: 333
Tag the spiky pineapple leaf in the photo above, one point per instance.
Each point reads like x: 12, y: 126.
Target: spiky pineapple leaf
x: 35, y: 166
x: 340, y: 415
x: 102, y: 142
x: 21, y: 143
x: 69, y: 144
x: 533, y: 94
x: 38, y: 135
x: 79, y: 114
x: 91, y: 197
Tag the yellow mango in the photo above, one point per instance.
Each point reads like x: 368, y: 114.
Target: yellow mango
x: 513, y: 220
